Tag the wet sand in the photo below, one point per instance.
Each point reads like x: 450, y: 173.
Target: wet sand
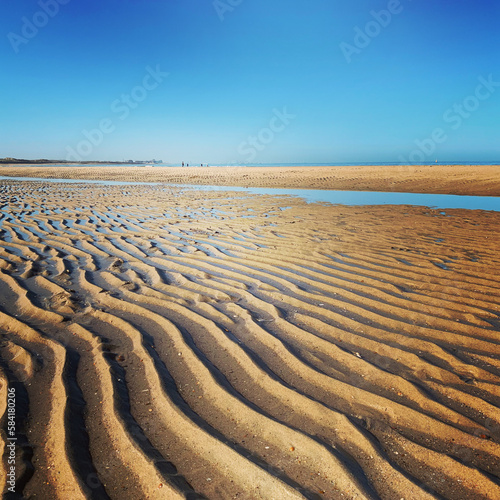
x: 477, y: 180
x: 171, y: 343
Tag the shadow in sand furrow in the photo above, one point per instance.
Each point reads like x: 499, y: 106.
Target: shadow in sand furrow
x: 85, y: 258
x: 383, y: 277
x: 43, y: 229
x: 257, y: 392
x: 157, y: 246
x: 55, y: 226
x: 29, y: 251
x: 294, y: 348
x: 178, y: 322
x: 24, y: 450
x: 124, y: 221
x: 455, y: 356
x: 481, y: 278
x: 344, y: 300
x: 349, y: 277
x: 123, y: 408
x: 84, y: 230
x: 171, y: 385
x: 47, y: 394
x: 357, y: 380
x: 399, y: 354
x: 165, y: 277
x: 122, y: 249
x: 77, y: 437
x: 318, y: 360
x: 424, y: 276
x: 429, y: 352
x: 285, y: 368
x: 468, y: 456
x: 217, y: 374
x: 439, y: 332
x: 477, y: 406
x: 216, y: 269
x: 326, y: 308
x: 67, y: 226
x: 408, y: 467
x: 5, y: 236
x: 343, y: 261
x: 490, y: 364
x: 168, y: 385
x: 30, y: 234
x: 58, y: 409
x: 21, y: 234
x: 486, y: 461
x: 213, y: 247
x: 386, y: 290
x: 11, y: 250
x: 103, y: 263
x: 225, y: 246
x: 106, y: 258
x: 494, y: 322
x: 277, y: 280
x: 363, y: 302
x: 60, y: 227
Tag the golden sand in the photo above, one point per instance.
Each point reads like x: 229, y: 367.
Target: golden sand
x: 166, y: 342
x: 446, y: 179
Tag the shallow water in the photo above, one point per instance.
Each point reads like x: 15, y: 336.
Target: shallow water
x: 359, y: 198
x: 373, y: 197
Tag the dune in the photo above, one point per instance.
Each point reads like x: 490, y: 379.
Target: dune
x: 165, y: 342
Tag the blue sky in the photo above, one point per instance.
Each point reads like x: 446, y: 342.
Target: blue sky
x: 250, y: 81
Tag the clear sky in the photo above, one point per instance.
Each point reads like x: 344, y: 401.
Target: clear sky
x: 250, y: 81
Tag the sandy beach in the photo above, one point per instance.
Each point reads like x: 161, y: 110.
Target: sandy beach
x: 167, y: 343
x: 480, y: 180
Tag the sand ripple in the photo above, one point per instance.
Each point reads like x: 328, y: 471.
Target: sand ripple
x: 479, y: 180
x: 168, y: 343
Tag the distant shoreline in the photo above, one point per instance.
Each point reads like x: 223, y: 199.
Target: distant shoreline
x: 159, y: 163
x: 18, y: 161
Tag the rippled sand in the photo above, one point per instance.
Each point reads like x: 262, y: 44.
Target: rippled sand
x: 478, y: 180
x: 168, y: 343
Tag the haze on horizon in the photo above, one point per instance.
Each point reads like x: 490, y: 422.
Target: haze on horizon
x: 235, y: 81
